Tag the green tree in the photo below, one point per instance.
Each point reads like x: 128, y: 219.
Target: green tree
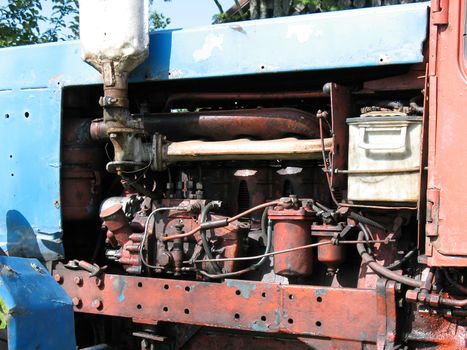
x: 23, y: 22
x: 257, y: 9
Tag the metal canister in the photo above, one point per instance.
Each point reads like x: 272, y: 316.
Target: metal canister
x: 330, y: 255
x: 291, y: 230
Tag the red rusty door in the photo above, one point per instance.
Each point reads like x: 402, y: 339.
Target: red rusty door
x: 446, y: 229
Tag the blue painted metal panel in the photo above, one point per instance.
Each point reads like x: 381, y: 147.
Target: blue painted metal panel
x: 30, y: 218
x: 37, y: 311
x: 32, y: 78
x: 354, y: 38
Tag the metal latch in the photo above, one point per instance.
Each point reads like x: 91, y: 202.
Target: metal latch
x: 432, y: 212
x: 440, y: 12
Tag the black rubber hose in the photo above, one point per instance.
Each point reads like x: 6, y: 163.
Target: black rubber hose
x: 381, y: 270
x: 364, y: 220
x: 451, y: 281
x: 204, y: 240
x: 402, y: 260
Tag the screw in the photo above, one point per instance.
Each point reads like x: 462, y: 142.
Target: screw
x: 97, y: 304
x: 58, y: 278
x: 78, y: 280
x: 77, y: 302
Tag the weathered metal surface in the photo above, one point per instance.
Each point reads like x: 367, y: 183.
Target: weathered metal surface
x: 330, y: 255
x: 446, y: 244
x: 30, y: 218
x: 38, y: 313
x: 287, y: 148
x: 260, y: 123
x: 81, y: 171
x: 246, y: 305
x: 292, y: 229
x: 367, y: 37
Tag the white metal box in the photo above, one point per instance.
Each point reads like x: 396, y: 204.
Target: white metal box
x: 384, y: 158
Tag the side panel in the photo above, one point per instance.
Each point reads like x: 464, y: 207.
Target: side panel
x: 30, y: 219
x: 36, y: 311
x: 447, y: 159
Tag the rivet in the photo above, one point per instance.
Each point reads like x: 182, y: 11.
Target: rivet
x: 97, y: 304
x: 77, y: 302
x: 58, y: 278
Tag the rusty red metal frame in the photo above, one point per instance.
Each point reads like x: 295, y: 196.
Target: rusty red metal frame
x: 240, y: 305
x: 446, y: 196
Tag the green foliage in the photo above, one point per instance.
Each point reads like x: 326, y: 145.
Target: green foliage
x: 22, y: 22
x: 158, y: 20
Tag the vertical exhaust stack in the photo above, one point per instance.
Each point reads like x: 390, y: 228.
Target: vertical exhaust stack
x: 114, y: 37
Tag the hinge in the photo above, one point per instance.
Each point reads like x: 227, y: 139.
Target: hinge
x: 440, y: 12
x: 432, y: 212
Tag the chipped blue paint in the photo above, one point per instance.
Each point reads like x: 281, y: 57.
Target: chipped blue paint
x: 278, y: 317
x: 245, y: 287
x: 363, y: 336
x: 259, y: 326
x: 320, y: 292
x: 39, y: 313
x: 119, y: 285
x: 32, y: 79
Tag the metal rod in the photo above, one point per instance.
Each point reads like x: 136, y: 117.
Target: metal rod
x: 291, y: 250
x: 376, y: 171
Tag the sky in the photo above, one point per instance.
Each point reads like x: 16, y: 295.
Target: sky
x: 190, y: 13
x: 183, y: 13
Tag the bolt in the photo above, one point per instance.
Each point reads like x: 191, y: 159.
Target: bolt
x: 58, y: 278
x: 77, y: 302
x: 99, y: 282
x: 78, y: 280
x: 97, y: 304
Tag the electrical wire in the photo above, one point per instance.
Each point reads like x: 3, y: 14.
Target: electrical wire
x: 229, y: 220
x: 312, y: 245
x: 323, y: 154
x: 145, y: 234
x: 254, y: 266
x: 202, y: 233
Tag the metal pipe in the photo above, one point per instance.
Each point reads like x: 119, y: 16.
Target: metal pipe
x: 260, y: 123
x: 240, y: 96
x: 244, y: 149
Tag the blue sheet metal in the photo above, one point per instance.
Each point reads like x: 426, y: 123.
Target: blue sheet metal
x: 36, y: 310
x: 32, y: 79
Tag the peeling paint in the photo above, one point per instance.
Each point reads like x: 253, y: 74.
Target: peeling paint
x: 245, y: 288
x: 211, y: 42
x: 303, y: 32
x: 119, y: 285
x: 320, y: 292
x: 259, y: 326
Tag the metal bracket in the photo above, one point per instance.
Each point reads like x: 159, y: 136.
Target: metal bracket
x: 440, y: 12
x: 432, y: 212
